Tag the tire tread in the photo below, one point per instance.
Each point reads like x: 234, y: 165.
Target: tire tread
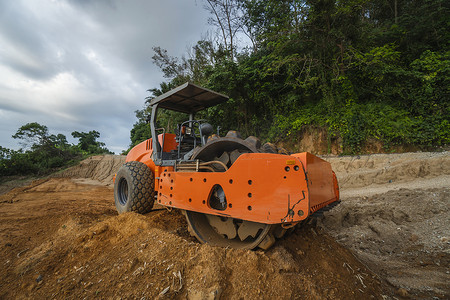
x: 140, y: 188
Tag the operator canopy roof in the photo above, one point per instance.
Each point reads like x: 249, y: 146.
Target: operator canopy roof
x: 188, y: 98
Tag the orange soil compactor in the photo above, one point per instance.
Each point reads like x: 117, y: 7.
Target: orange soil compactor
x: 233, y: 192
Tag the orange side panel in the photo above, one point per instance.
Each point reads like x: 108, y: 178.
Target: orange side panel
x: 143, y: 151
x: 323, y: 188
x: 336, y: 186
x: 259, y: 187
x: 169, y: 142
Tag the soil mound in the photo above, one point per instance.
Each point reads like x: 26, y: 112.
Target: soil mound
x: 63, y: 239
x: 100, y: 168
x: 401, y: 235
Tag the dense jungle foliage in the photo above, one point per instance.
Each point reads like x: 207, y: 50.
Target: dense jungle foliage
x: 359, y: 69
x: 43, y: 152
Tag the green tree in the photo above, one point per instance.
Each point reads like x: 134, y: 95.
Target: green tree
x: 43, y: 152
x: 141, y: 129
x: 360, y: 69
x: 87, y: 142
x: 32, y: 135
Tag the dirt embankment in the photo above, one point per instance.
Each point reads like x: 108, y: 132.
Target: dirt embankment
x: 62, y: 238
x: 377, y: 173
x: 99, y: 169
x: 395, y: 216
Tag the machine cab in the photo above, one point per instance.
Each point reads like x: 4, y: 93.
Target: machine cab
x: 168, y: 149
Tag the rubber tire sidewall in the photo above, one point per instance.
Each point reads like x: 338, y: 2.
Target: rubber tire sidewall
x: 140, y: 181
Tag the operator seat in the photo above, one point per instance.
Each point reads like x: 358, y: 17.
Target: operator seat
x: 206, y: 129
x: 186, y: 138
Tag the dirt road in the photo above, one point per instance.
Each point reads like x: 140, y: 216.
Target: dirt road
x: 62, y: 238
x: 395, y: 217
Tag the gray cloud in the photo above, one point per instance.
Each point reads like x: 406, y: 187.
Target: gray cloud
x: 86, y: 65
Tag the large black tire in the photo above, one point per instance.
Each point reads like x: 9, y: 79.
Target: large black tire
x: 134, y: 188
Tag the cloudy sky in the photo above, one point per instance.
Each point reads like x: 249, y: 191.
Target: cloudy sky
x: 86, y: 65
